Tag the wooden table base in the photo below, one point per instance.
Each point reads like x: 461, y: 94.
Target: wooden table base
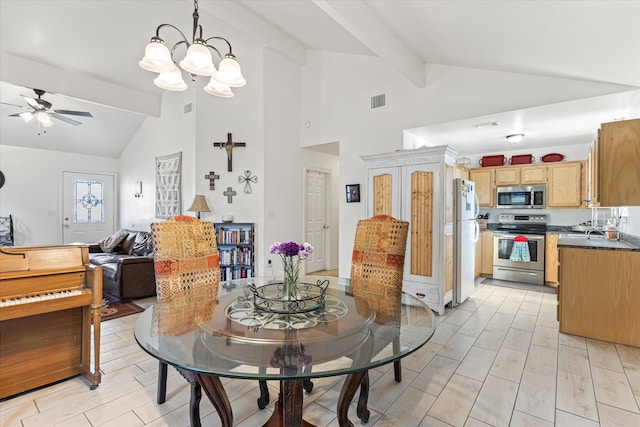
x: 288, y: 410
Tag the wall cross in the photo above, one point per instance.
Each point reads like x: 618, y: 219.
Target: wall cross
x: 212, y: 179
x: 229, y: 145
x: 229, y: 193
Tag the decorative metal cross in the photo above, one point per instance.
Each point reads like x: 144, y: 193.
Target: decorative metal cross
x: 229, y: 145
x: 229, y: 193
x: 247, y: 179
x: 212, y: 179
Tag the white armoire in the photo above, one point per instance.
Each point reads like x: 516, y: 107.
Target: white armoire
x: 417, y: 186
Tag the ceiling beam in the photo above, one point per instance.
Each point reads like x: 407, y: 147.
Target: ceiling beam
x: 363, y: 23
x: 23, y: 72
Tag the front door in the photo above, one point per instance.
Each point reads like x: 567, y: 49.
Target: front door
x: 88, y: 207
x: 316, y: 219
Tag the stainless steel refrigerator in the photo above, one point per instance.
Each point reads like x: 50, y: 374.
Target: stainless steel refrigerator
x: 465, y: 232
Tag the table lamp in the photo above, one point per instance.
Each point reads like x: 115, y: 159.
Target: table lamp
x: 199, y: 205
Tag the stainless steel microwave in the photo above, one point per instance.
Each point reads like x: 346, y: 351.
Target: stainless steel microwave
x: 525, y: 197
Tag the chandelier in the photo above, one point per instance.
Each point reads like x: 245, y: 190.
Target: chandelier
x: 198, y: 62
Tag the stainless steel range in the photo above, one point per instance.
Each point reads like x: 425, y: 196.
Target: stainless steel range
x: 506, y: 266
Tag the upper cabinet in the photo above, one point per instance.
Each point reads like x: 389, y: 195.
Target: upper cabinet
x: 507, y: 175
x: 614, y: 159
x: 485, y: 185
x: 533, y: 174
x: 564, y: 185
x: 564, y: 182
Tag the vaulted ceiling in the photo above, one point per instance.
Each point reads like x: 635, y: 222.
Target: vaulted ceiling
x: 99, y: 43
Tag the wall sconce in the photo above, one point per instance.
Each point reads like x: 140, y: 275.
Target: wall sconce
x: 199, y: 205
x: 137, y: 189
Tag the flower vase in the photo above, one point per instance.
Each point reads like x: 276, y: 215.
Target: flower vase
x: 291, y: 271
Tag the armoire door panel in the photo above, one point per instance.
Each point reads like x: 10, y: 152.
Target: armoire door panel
x: 422, y: 223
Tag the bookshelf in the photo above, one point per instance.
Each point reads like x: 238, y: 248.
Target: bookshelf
x: 235, y: 249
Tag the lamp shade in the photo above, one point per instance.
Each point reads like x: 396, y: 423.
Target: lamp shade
x: 216, y: 88
x: 157, y: 58
x: 171, y: 80
x: 229, y: 73
x: 199, y: 205
x: 198, y: 60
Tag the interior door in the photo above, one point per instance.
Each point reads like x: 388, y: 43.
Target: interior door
x: 88, y: 207
x: 316, y: 219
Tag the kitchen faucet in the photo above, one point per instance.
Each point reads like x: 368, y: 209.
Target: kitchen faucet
x: 592, y: 231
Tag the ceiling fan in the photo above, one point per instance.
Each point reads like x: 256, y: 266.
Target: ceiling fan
x: 41, y: 109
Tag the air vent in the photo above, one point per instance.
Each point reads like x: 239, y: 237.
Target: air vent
x: 378, y: 101
x: 188, y: 108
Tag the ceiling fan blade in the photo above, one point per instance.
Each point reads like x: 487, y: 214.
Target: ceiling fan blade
x: 15, y: 115
x: 32, y: 102
x: 74, y: 113
x: 65, y: 119
x: 15, y: 105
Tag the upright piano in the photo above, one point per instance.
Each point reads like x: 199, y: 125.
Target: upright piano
x: 48, y: 296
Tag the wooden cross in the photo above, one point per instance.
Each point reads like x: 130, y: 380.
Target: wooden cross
x: 212, y: 179
x: 229, y: 145
x: 229, y: 193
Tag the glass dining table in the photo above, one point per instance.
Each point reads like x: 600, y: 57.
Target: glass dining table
x: 233, y: 336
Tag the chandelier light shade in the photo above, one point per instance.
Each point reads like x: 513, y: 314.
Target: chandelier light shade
x: 515, y: 138
x: 198, y: 61
x: 171, y: 80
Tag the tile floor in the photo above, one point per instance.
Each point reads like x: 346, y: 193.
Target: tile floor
x: 496, y: 360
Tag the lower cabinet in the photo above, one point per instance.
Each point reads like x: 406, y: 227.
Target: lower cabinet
x: 551, y: 259
x: 484, y: 254
x: 598, y: 294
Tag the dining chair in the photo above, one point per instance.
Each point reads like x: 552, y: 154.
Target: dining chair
x: 186, y: 262
x: 377, y: 266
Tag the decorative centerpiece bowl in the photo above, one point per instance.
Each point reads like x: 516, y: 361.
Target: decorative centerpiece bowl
x: 274, y: 297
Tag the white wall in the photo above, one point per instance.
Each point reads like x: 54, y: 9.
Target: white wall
x: 172, y: 132
x: 33, y: 190
x: 336, y: 89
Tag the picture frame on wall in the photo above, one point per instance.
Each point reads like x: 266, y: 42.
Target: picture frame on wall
x: 353, y: 193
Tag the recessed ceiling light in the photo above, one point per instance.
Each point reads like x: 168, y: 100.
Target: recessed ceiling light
x: 485, y: 124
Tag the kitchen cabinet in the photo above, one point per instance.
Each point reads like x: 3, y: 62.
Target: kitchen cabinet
x: 485, y: 186
x: 417, y: 186
x: 598, y: 294
x: 617, y: 175
x: 564, y: 185
x: 484, y: 254
x: 507, y: 175
x: 461, y: 172
x: 551, y: 259
x: 533, y: 174
x: 563, y: 180
x: 594, y: 172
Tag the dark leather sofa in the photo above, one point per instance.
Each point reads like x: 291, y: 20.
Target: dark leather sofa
x: 127, y: 271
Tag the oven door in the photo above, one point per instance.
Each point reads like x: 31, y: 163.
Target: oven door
x: 503, y: 247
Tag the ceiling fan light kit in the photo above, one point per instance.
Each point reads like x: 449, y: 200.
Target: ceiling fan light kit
x: 42, y: 111
x: 198, y: 61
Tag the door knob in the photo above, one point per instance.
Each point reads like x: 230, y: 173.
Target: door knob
x: 325, y: 226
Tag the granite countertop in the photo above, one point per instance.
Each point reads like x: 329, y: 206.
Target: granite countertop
x: 580, y: 240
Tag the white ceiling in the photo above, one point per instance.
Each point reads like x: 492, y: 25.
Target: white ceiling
x: 100, y: 42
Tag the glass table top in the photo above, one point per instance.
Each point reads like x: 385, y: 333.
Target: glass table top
x: 230, y: 337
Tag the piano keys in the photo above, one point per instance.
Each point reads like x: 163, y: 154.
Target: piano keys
x: 48, y: 297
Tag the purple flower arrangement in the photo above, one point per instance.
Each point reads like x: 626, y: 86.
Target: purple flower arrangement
x: 291, y: 254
